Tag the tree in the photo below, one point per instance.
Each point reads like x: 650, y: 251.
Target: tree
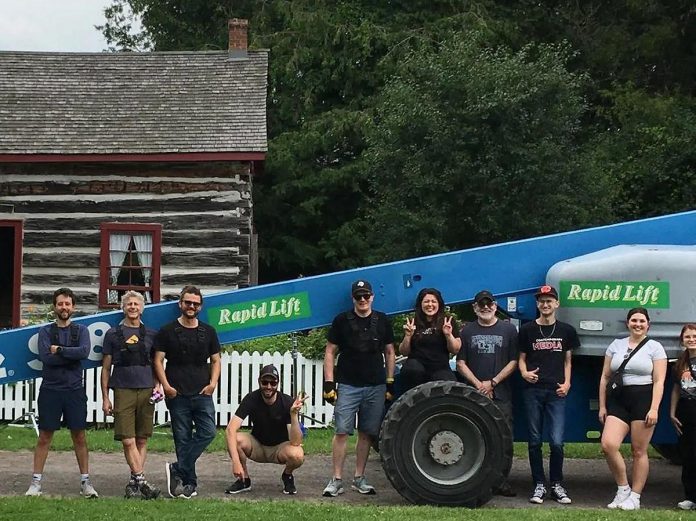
x: 476, y: 145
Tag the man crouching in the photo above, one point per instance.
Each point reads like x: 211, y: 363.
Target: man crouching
x: 276, y: 436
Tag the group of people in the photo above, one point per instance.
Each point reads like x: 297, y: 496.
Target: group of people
x: 488, y: 352
x: 134, y: 370
x: 359, y: 368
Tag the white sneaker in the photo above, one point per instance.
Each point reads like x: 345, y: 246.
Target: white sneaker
x: 87, y: 490
x: 34, y: 489
x: 619, y: 498
x: 683, y: 505
x: 630, y: 503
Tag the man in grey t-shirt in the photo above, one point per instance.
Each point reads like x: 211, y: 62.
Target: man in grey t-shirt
x: 128, y: 349
x: 488, y: 357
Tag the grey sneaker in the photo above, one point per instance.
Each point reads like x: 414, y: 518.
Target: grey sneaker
x: 334, y: 488
x: 132, y: 489
x: 148, y: 491
x: 560, y: 494
x: 539, y: 494
x: 361, y: 485
x: 34, y: 489
x: 87, y: 490
x: 188, y: 492
x: 173, y: 481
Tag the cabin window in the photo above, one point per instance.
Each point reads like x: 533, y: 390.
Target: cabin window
x: 129, y: 260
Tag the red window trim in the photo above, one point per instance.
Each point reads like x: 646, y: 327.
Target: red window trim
x: 105, y: 231
x: 18, y: 226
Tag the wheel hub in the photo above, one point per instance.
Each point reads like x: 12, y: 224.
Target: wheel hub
x: 446, y: 448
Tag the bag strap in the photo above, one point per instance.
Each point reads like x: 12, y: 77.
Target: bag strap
x: 635, y: 350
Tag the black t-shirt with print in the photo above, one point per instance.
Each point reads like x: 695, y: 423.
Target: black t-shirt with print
x: 545, y: 347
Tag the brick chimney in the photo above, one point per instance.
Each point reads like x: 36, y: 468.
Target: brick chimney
x: 238, y: 28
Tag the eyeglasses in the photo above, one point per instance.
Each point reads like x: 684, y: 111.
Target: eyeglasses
x: 191, y: 304
x: 486, y: 304
x: 269, y: 383
x: 362, y: 296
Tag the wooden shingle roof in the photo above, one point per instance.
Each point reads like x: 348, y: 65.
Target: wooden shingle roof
x: 132, y: 103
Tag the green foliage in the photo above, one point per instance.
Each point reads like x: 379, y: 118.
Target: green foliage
x: 311, y: 344
x: 483, y: 139
x: 502, y: 119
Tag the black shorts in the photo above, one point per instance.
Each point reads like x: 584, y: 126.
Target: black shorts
x: 70, y: 405
x: 632, y: 404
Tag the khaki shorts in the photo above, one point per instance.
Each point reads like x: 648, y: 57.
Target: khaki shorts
x: 265, y: 453
x: 133, y: 413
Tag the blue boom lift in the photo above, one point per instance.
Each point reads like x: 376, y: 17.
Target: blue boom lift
x: 450, y: 447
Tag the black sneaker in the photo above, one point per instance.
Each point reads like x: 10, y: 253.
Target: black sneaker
x: 132, y: 489
x: 148, y: 491
x: 288, y: 483
x: 188, y: 492
x: 539, y: 494
x: 241, y: 485
x: 173, y: 480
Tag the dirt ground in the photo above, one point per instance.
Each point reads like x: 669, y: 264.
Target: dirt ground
x: 588, y: 481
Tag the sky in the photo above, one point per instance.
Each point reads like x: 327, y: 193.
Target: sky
x: 52, y: 25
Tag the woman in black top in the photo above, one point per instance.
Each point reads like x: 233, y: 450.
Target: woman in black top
x: 428, y: 342
x: 682, y: 412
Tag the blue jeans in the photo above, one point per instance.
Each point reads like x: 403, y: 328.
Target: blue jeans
x: 187, y: 412
x: 544, y: 405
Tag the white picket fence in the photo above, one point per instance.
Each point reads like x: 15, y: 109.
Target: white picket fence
x: 238, y: 376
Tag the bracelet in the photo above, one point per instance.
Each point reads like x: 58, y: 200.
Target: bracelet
x: 390, y: 380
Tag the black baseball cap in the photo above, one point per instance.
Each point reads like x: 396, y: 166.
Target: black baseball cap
x: 269, y: 370
x: 546, y: 291
x: 484, y: 295
x: 360, y: 287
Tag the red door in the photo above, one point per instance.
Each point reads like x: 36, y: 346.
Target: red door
x: 10, y: 272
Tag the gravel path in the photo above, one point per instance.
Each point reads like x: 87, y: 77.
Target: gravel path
x: 588, y: 481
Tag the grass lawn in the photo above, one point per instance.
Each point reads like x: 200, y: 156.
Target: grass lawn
x: 16, y: 508
x: 317, y: 441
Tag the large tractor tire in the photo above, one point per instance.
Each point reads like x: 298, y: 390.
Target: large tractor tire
x: 443, y: 443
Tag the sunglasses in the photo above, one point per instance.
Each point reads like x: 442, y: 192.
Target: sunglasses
x: 362, y: 296
x: 486, y: 304
x: 191, y: 304
x: 269, y: 383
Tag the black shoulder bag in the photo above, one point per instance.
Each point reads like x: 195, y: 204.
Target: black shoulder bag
x: 615, y: 383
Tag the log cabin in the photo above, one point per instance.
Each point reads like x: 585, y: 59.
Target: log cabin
x: 128, y: 171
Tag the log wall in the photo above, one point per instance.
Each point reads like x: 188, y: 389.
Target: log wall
x: 205, y: 210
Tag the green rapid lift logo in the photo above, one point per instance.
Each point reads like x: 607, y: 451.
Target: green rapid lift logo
x: 614, y: 294
x: 260, y: 312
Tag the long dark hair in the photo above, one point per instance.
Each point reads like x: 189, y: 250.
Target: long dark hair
x: 421, y: 319
x: 683, y: 360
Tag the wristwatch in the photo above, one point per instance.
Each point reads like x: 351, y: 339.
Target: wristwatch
x: 493, y: 382
x: 59, y: 349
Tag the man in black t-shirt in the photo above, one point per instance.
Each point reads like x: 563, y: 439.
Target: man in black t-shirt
x: 188, y: 384
x: 488, y: 357
x: 276, y: 436
x: 546, y: 346
x: 363, y: 339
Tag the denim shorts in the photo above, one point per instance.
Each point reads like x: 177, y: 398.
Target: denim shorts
x: 366, y: 402
x: 70, y: 405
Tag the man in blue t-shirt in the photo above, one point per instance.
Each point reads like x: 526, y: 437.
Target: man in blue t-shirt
x: 62, y: 345
x: 128, y: 349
